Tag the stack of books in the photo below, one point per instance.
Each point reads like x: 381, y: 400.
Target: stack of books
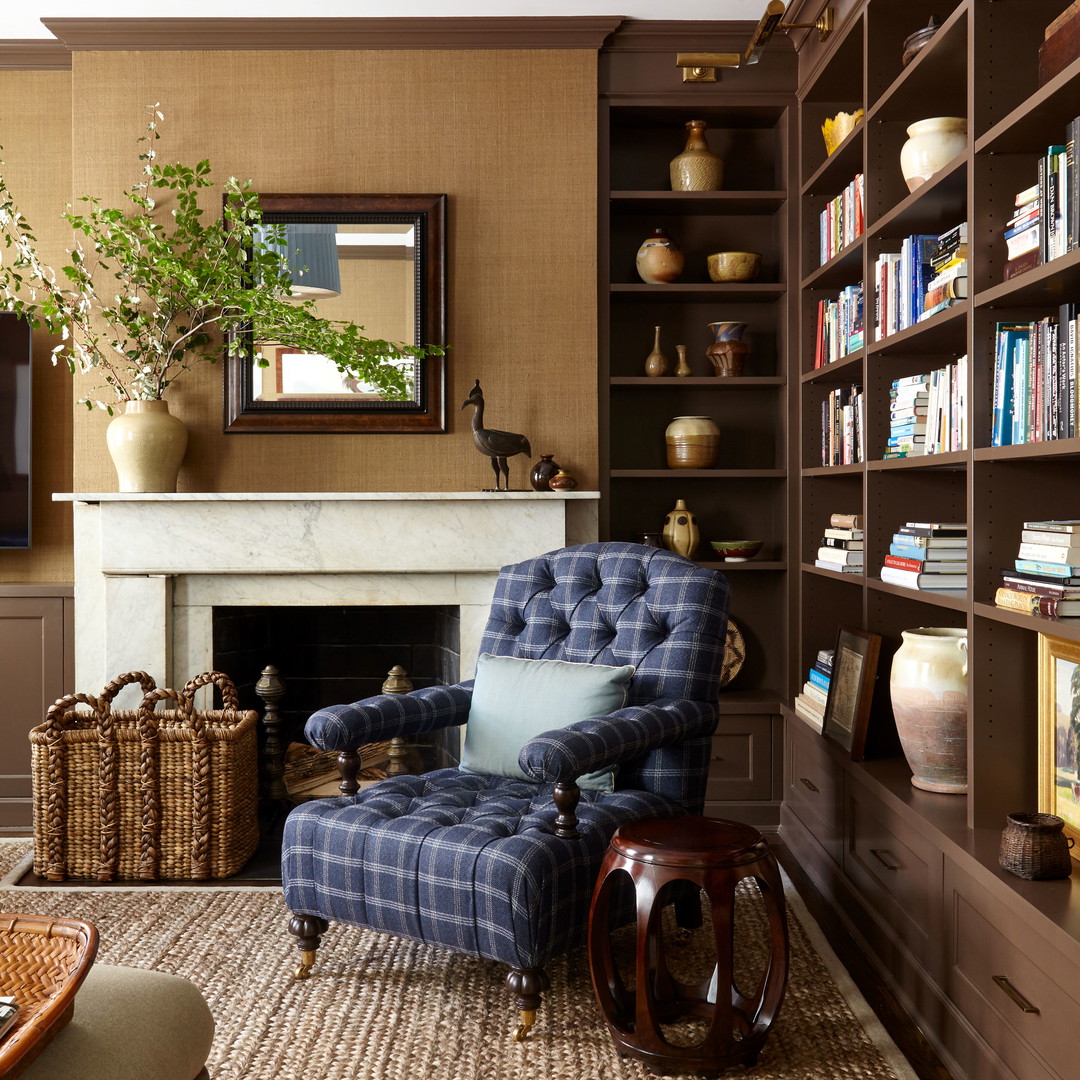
x: 927, y: 555
x: 909, y: 400
x: 948, y: 264
x: 842, y: 545
x: 810, y: 703
x: 1022, y: 232
x: 1046, y: 575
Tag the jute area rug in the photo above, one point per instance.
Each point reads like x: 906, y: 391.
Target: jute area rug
x: 381, y: 1008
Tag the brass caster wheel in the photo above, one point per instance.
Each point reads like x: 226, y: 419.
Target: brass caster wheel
x: 303, y: 971
x: 528, y: 1018
x: 522, y: 1033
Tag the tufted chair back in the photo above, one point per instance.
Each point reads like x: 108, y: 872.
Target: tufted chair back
x: 614, y: 603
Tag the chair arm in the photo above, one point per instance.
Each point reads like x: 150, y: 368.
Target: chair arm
x: 389, y: 716
x: 566, y: 753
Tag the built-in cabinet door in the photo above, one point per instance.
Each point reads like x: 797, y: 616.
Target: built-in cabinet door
x: 34, y: 640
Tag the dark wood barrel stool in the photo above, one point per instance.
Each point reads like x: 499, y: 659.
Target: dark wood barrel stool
x: 715, y: 856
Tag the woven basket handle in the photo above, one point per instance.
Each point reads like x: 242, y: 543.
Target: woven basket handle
x: 113, y: 688
x: 61, y: 715
x: 229, y: 697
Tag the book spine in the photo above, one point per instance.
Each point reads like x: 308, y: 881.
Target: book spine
x: 1036, y: 566
x: 1030, y: 603
x: 818, y: 679
x: 846, y: 521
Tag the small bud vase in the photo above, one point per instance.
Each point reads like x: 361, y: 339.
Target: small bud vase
x: 680, y: 530
x: 147, y: 445
x: 682, y: 367
x: 697, y: 168
x: 657, y: 363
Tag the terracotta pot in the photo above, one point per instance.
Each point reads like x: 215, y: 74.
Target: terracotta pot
x: 697, y: 168
x: 657, y: 363
x: 680, y: 531
x: 928, y: 686
x: 659, y: 260
x: 543, y: 471
x: 728, y: 352
x: 931, y: 145
x: 693, y: 442
x: 147, y: 444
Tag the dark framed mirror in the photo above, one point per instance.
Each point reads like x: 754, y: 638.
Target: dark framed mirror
x: 385, y: 269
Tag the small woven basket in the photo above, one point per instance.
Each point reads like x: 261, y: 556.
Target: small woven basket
x: 1034, y: 847
x: 141, y: 794
x: 42, y: 963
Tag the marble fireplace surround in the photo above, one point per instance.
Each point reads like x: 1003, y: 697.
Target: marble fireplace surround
x: 150, y: 568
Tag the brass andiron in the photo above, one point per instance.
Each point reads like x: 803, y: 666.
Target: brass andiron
x: 271, y: 689
x: 397, y: 682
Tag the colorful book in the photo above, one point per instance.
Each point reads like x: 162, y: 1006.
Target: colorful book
x: 818, y: 679
x: 927, y: 566
x: 950, y: 556
x: 930, y: 541
x: 1051, y: 569
x: 1033, y: 604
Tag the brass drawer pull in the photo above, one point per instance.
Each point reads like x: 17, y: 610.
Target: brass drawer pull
x: 811, y: 785
x: 1017, y: 998
x: 879, y: 854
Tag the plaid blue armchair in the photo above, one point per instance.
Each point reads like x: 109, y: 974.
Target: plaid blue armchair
x: 504, y: 868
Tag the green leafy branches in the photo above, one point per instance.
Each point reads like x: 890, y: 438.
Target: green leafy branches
x: 151, y: 289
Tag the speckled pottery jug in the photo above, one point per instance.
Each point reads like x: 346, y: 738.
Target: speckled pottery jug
x: 697, y: 168
x: 147, y: 444
x: 659, y: 260
x: 928, y: 686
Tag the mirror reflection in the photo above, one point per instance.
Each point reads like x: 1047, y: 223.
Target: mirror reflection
x: 376, y: 261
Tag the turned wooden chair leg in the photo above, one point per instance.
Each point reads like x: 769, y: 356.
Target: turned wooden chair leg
x: 527, y: 985
x: 308, y: 930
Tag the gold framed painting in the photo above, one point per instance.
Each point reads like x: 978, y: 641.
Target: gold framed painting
x: 1059, y: 733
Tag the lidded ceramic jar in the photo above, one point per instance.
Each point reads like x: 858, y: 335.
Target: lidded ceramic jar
x: 692, y: 442
x: 659, y: 260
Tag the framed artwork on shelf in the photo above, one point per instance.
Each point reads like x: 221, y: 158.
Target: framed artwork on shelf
x: 851, y: 689
x: 1059, y: 733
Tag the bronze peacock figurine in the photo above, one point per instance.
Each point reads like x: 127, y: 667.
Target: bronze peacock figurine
x: 497, y: 445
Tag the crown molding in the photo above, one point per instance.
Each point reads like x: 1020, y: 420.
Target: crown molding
x: 670, y: 35
x: 570, y: 32
x: 33, y: 54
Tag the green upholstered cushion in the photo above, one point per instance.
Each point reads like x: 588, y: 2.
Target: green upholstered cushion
x: 515, y: 700
x: 130, y: 1024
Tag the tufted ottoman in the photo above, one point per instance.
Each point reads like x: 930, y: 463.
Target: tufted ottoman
x: 130, y: 1024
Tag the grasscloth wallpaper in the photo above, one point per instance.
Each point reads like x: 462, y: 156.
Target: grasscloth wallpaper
x: 35, y: 132
x: 509, y: 136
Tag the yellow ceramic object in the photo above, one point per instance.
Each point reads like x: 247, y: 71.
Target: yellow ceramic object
x: 734, y: 266
x: 838, y: 128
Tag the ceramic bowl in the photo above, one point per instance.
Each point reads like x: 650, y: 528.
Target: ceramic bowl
x: 737, y: 550
x: 734, y: 265
x: 836, y: 129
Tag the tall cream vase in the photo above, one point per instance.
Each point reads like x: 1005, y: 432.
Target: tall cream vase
x: 147, y: 444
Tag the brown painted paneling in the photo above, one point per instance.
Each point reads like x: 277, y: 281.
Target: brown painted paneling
x: 35, y: 128
x: 510, y: 136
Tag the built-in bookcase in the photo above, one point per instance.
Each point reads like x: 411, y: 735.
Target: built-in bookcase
x: 917, y: 907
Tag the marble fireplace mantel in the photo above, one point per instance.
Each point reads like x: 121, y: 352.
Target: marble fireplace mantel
x: 150, y: 568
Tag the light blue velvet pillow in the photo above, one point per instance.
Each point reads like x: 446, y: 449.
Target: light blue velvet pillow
x: 515, y: 700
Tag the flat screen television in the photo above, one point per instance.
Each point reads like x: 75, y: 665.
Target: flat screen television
x: 14, y: 432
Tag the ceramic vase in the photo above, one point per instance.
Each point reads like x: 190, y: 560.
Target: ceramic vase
x: 682, y: 365
x: 562, y: 481
x: 931, y: 145
x: 728, y: 352
x: 543, y: 471
x: 147, y: 444
x: 928, y: 686
x: 657, y: 363
x: 697, y: 168
x: 680, y: 530
x: 659, y: 260
x: 692, y: 442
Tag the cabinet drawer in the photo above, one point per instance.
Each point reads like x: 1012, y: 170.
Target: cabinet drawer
x: 740, y: 765
x: 1014, y: 987
x: 898, y: 873
x: 813, y: 785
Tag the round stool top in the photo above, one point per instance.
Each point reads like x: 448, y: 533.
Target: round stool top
x: 689, y: 841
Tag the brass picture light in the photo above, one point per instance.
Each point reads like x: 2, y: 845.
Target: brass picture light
x: 701, y: 67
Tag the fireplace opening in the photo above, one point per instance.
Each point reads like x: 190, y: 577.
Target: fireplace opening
x: 331, y: 655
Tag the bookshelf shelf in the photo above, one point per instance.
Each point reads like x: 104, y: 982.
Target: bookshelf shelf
x: 704, y: 382
x: 1037, y: 624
